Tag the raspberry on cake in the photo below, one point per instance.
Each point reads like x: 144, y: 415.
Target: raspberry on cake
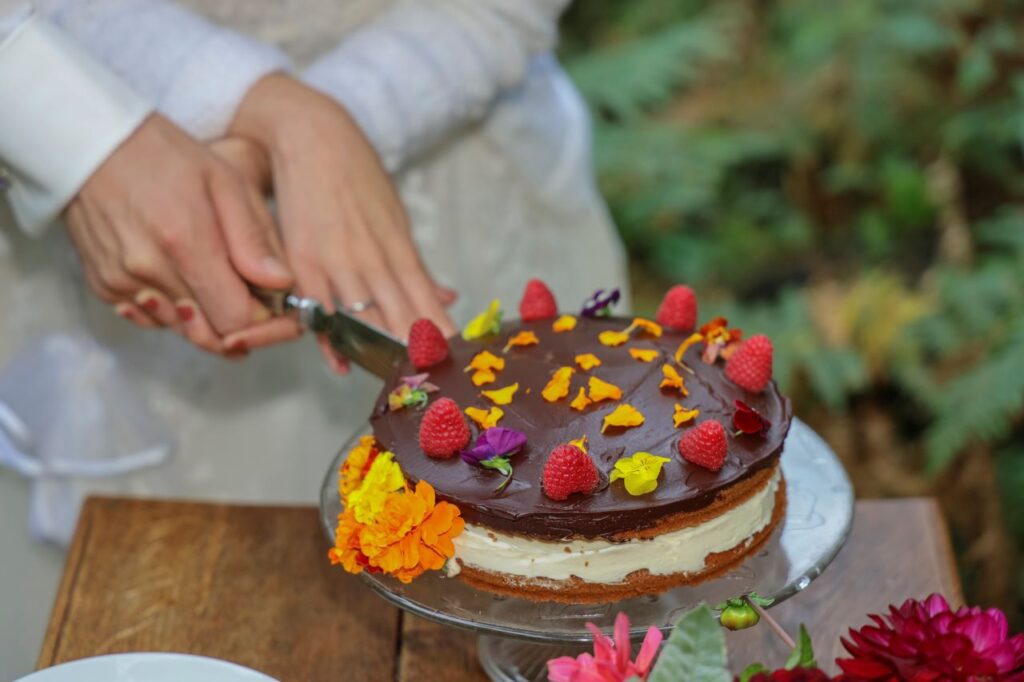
x: 626, y: 480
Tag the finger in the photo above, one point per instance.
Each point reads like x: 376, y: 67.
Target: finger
x: 198, y: 252
x: 337, y: 362
x: 447, y: 297
x: 135, y: 314
x: 158, y: 306
x: 197, y: 328
x: 269, y: 333
x: 384, y: 289
x: 419, y: 287
x: 249, y: 233
x: 350, y: 288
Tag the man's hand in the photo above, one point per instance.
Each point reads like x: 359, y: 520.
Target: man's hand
x: 170, y: 234
x: 345, y: 230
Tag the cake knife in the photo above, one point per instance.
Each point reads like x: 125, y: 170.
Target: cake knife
x: 373, y: 349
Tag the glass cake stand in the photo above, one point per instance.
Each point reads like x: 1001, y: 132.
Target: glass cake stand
x: 517, y: 637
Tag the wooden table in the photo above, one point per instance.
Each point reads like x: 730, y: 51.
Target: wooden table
x: 253, y: 585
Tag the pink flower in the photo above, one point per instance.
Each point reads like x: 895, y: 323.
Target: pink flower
x: 610, y: 662
x: 927, y: 641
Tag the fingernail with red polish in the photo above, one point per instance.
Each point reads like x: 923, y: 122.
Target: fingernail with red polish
x: 124, y: 311
x: 150, y: 304
x: 185, y: 312
x: 238, y: 347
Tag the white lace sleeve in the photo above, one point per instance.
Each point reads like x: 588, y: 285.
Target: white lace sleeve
x: 426, y: 67
x: 193, y: 70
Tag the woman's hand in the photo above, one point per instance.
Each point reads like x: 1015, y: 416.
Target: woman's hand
x: 169, y: 234
x: 345, y: 230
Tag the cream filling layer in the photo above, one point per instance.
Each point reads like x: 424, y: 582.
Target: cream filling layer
x: 600, y: 561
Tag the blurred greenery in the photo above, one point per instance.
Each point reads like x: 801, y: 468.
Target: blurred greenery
x: 847, y: 178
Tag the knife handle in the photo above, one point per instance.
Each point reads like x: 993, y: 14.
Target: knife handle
x: 279, y: 302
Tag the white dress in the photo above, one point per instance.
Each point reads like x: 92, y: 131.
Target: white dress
x: 490, y: 146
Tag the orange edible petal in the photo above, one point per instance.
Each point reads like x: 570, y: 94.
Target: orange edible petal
x: 652, y: 328
x: 588, y: 361
x: 483, y: 376
x: 558, y: 387
x: 501, y: 396
x: 566, y: 323
x: 486, y: 419
x: 581, y: 443
x: 486, y: 360
x: 643, y: 354
x: 581, y: 400
x: 693, y: 338
x: 672, y: 379
x: 523, y: 338
x: 683, y: 415
x: 624, y: 415
x: 612, y: 338
x: 602, y: 390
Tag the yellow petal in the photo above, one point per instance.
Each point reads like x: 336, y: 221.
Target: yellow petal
x: 652, y: 328
x: 612, y: 338
x: 639, y: 472
x: 693, y: 338
x: 624, y: 415
x: 501, y: 396
x: 483, y: 376
x: 581, y: 400
x: 486, y: 419
x: 643, y: 354
x: 523, y: 338
x: 588, y: 361
x: 558, y: 387
x: 672, y: 379
x: 487, y: 322
x: 581, y: 443
x: 683, y: 415
x: 486, y: 360
x: 602, y: 390
x: 566, y: 323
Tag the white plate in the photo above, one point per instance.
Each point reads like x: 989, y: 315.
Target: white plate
x: 147, y: 668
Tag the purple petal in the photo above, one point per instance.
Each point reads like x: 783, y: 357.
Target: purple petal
x: 503, y: 441
x: 413, y: 381
x: 477, y: 453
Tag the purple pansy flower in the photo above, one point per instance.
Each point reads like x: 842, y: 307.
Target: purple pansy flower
x: 600, y: 303
x: 493, y: 448
x: 411, y: 390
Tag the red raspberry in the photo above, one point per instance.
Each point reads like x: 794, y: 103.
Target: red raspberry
x: 678, y: 310
x: 427, y: 345
x: 705, y: 445
x: 750, y: 366
x: 443, y: 431
x: 569, y: 470
x: 538, y: 303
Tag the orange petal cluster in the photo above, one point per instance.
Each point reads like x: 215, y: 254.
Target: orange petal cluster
x: 581, y: 400
x: 358, y: 462
x: 558, y: 387
x: 652, y: 328
x: 612, y: 338
x: 693, y: 338
x: 484, y: 365
x: 683, y: 415
x: 588, y: 361
x: 565, y: 323
x: 485, y: 419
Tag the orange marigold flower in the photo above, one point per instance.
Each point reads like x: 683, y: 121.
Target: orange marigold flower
x: 625, y: 415
x: 558, y: 387
x: 565, y: 323
x: 581, y: 400
x: 355, y: 466
x: 643, y: 354
x: 523, y: 338
x: 602, y: 390
x: 612, y: 338
x: 588, y: 361
x: 672, y: 379
x: 501, y: 396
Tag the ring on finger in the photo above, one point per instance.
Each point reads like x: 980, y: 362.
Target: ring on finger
x: 361, y: 306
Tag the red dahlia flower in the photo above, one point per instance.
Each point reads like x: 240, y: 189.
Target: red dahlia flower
x: 794, y: 675
x: 927, y: 642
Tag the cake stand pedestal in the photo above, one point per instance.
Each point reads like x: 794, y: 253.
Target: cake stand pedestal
x: 517, y: 636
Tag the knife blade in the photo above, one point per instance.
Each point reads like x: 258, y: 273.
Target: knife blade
x: 373, y: 349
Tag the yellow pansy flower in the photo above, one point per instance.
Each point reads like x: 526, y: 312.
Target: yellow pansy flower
x: 639, y: 472
x: 487, y: 322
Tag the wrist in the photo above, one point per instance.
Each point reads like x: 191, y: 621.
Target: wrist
x: 269, y: 103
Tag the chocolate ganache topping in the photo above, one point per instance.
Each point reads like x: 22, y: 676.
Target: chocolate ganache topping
x: 522, y: 506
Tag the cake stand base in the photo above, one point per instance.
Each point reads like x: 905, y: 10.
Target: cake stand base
x: 514, y: 660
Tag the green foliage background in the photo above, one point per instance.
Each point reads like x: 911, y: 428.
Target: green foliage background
x: 848, y: 178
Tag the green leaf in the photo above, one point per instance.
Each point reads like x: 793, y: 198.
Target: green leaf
x: 751, y: 670
x: 759, y: 600
x: 500, y: 464
x: 803, y: 654
x: 695, y: 651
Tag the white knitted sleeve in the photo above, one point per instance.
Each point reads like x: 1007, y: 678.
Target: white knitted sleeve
x: 193, y: 70
x: 426, y: 67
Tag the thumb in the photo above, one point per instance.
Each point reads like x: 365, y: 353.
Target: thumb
x: 251, y: 237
